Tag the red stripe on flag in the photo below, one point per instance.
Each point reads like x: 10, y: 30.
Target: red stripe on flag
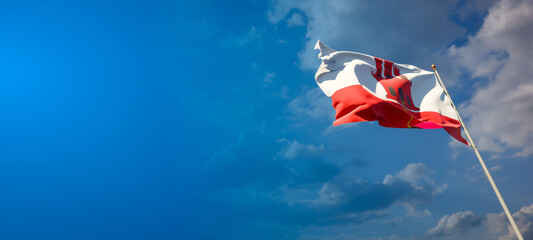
x: 356, y: 104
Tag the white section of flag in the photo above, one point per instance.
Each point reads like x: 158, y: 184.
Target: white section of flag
x: 340, y: 69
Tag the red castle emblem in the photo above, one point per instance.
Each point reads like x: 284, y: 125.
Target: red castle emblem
x: 398, y: 87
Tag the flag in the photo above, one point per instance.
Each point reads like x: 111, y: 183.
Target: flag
x: 367, y: 88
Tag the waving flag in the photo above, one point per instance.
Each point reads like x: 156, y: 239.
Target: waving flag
x: 366, y: 88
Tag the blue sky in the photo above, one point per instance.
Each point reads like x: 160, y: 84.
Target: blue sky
x: 202, y: 120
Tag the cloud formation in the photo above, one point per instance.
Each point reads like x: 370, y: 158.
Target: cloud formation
x: 313, y: 104
x: 240, y: 41
x: 349, y: 199
x: 295, y: 20
x: 498, y: 53
x: 498, y: 223
x: 355, y: 25
x: 500, y: 112
x: 294, y: 149
x: 295, y: 183
x: 454, y: 224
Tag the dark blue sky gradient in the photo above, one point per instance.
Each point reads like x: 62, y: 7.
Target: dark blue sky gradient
x: 90, y: 131
x: 197, y: 120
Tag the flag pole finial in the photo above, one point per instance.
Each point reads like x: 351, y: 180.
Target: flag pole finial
x: 433, y: 67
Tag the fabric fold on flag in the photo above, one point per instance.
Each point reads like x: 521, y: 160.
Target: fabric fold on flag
x: 367, y: 88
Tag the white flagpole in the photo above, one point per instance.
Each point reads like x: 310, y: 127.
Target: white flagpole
x: 473, y: 145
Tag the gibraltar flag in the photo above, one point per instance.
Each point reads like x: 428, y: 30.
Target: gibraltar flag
x: 366, y: 88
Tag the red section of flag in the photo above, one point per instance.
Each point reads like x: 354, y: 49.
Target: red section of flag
x: 356, y: 104
x: 385, y: 71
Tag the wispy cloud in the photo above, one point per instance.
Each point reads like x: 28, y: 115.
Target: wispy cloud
x: 295, y: 20
x: 268, y: 77
x: 292, y: 182
x: 294, y: 149
x: 252, y: 35
x: 350, y: 25
x: 313, y: 104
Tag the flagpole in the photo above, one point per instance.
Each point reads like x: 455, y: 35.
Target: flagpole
x: 473, y: 145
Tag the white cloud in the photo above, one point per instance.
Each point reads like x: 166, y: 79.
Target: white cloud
x: 413, y: 31
x: 409, y: 187
x: 293, y: 149
x: 295, y: 20
x: 498, y: 223
x: 268, y: 77
x: 240, y: 41
x: 349, y: 199
x: 452, y: 225
x: 344, y: 236
x: 500, y: 112
x: 314, y: 103
x: 335, y: 129
x: 284, y: 92
x: 283, y: 185
x: 495, y: 168
x: 412, y: 173
x: 417, y: 174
